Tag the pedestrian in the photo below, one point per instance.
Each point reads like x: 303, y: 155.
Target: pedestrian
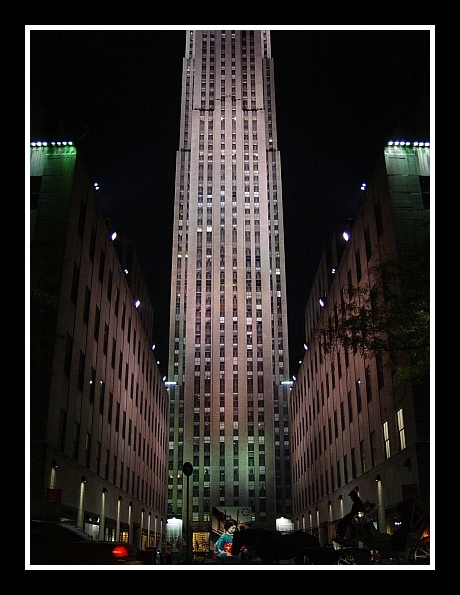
x: 223, y: 549
x: 356, y: 508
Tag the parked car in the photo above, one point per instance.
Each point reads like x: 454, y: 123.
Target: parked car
x: 55, y: 542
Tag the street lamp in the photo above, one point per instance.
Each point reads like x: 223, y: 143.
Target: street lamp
x: 187, y: 468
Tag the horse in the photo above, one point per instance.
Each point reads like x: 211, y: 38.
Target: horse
x: 273, y: 546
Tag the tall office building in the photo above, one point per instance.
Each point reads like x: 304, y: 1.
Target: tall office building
x: 228, y: 368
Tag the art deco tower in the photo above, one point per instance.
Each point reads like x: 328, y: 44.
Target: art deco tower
x: 228, y: 345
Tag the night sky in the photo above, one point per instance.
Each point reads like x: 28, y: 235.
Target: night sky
x: 341, y: 94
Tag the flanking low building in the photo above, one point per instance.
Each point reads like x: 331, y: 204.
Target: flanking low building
x: 356, y: 420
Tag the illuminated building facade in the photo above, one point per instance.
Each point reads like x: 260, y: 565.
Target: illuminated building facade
x: 98, y: 405
x: 354, y: 423
x: 228, y: 348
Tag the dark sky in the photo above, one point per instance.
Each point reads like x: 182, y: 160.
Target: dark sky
x: 340, y: 95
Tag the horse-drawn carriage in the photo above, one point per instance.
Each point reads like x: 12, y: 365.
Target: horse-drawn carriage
x: 409, y: 544
x: 384, y: 548
x: 296, y: 547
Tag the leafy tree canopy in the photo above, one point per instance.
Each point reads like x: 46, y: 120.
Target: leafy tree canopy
x: 390, y: 313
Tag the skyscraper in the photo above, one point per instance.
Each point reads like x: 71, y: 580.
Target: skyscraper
x: 228, y: 371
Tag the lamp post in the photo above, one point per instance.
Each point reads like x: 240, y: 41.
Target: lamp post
x: 188, y: 470
x: 149, y: 521
x: 118, y: 518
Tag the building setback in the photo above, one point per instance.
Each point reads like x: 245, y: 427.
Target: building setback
x: 228, y: 349
x: 354, y: 424
x: 98, y: 405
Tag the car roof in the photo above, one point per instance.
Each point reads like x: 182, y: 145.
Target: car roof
x: 45, y: 524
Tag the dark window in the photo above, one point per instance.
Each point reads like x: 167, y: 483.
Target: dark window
x: 76, y: 440
x: 88, y: 450
x: 358, y: 265
x: 68, y: 354
x: 75, y: 282
x: 35, y: 183
x: 345, y: 468
x: 97, y: 322
x: 117, y: 301
x: 367, y: 243
x: 102, y: 398
x: 350, y: 408
x: 92, y: 386
x: 117, y: 418
x: 86, y: 307
x: 368, y: 384
x: 120, y: 366
x: 110, y: 285
x: 359, y: 402
x: 350, y: 285
x: 107, y: 463
x: 425, y: 188
x: 373, y: 449
x: 106, y: 339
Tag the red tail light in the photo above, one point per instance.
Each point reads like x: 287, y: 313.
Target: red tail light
x: 120, y: 551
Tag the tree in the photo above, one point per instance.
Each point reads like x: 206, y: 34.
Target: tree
x: 390, y: 313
